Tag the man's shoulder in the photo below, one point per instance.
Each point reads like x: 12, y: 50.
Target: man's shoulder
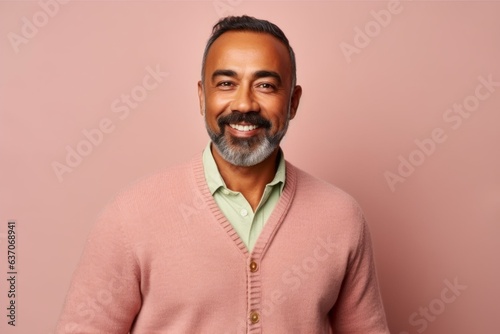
x: 169, y: 180
x: 311, y: 183
x: 319, y: 192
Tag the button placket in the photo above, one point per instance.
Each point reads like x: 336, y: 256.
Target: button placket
x: 243, y: 212
x: 254, y: 295
x: 254, y: 317
x: 254, y: 266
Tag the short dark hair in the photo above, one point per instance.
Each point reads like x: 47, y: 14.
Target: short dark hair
x: 248, y: 23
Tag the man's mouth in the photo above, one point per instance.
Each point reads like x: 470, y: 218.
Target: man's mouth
x: 243, y: 128
x: 243, y: 123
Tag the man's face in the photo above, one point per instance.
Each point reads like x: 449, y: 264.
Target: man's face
x: 247, y: 98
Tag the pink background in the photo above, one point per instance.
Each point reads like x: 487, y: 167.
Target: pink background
x: 355, y: 119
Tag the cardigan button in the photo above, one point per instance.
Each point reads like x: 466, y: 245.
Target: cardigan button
x: 254, y: 317
x: 253, y: 266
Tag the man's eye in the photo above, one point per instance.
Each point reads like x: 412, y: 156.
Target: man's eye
x: 225, y: 84
x: 266, y: 86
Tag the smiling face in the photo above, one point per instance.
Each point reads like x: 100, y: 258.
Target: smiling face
x: 247, y: 96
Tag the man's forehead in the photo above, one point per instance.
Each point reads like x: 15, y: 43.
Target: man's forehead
x: 244, y: 46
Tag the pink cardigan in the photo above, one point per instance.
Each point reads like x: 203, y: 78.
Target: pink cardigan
x: 162, y: 258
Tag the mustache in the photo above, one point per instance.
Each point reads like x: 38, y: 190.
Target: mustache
x: 252, y: 117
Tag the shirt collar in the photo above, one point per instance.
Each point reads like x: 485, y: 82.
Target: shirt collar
x: 215, y: 181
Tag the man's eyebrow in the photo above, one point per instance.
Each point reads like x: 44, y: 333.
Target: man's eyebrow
x: 225, y: 73
x: 257, y: 75
x: 266, y: 74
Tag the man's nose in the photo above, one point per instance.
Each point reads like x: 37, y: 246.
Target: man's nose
x: 244, y: 100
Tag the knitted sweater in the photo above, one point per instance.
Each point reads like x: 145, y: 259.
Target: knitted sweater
x: 162, y: 258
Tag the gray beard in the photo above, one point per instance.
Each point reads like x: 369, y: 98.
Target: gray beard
x: 245, y: 152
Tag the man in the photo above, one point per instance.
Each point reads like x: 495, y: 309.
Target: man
x: 237, y: 240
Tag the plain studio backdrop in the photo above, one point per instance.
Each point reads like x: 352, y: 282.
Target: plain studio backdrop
x: 401, y: 108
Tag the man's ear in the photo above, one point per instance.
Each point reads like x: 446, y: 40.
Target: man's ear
x: 294, y: 101
x: 201, y: 98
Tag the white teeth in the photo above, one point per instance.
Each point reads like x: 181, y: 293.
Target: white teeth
x: 243, y: 127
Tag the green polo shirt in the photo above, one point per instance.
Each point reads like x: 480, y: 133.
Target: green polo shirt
x: 235, y: 207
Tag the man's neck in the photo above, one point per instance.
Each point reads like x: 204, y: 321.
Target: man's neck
x: 249, y: 181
